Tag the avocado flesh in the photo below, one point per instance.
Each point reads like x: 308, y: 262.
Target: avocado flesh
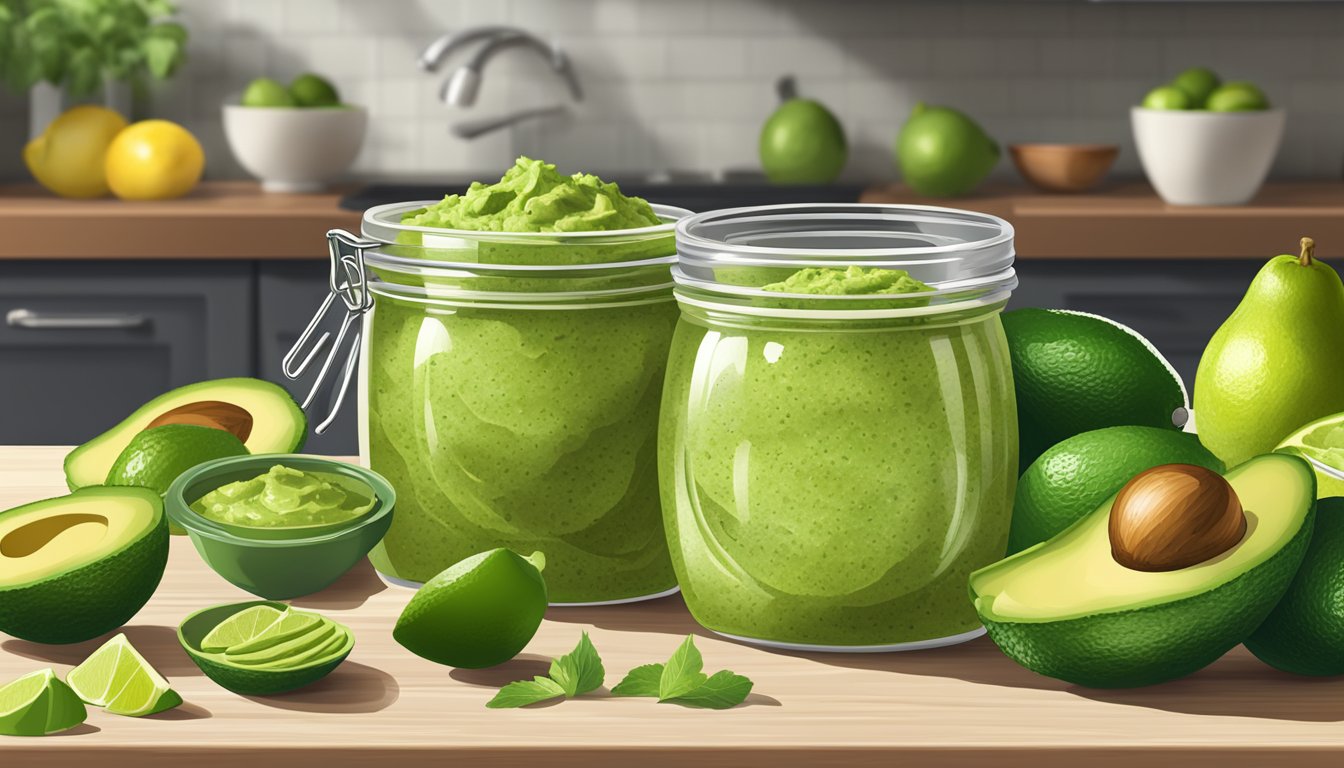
x: 1066, y: 609
x: 278, y: 424
x: 78, y: 566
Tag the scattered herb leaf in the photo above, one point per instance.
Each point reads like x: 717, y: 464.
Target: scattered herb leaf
x: 682, y: 674
x: 723, y: 690
x: 525, y: 692
x: 640, y: 681
x: 580, y: 670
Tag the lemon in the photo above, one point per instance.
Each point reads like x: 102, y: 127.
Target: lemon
x: 478, y: 613
x: 68, y: 157
x: 154, y: 160
x: 1322, y: 440
x: 117, y: 678
x: 38, y: 704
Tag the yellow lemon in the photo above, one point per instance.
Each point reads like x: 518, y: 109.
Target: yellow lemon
x: 68, y: 157
x: 154, y: 160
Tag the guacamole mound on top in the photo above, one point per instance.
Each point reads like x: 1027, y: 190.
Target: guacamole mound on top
x: 850, y: 281
x: 534, y: 197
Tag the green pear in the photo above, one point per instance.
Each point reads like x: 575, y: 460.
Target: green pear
x: 1276, y: 363
x: 943, y: 152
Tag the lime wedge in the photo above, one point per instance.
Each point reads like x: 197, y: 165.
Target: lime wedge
x: 1322, y: 440
x: 38, y: 704
x: 240, y: 628
x: 316, y: 636
x: 117, y: 678
x: 291, y: 624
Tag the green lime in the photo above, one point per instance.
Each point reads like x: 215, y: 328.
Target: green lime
x: 1168, y: 97
x: 265, y: 92
x: 802, y: 143
x: 38, y: 704
x: 1305, y: 633
x: 478, y: 613
x: 272, y: 678
x: 1322, y: 440
x: 1075, y: 372
x: 309, y: 90
x: 289, y: 625
x: 1239, y: 96
x: 240, y: 628
x: 117, y: 678
x: 1198, y: 82
x: 1076, y: 476
x: 154, y: 458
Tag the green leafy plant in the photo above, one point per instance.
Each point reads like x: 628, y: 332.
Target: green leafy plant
x: 79, y: 44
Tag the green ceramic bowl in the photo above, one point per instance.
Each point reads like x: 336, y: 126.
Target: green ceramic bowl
x: 278, y: 569
x: 249, y: 682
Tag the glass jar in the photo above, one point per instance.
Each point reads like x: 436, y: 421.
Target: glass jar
x: 511, y: 385
x: 834, y: 467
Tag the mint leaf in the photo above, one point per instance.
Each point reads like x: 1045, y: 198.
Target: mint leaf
x: 525, y: 692
x: 640, y: 681
x: 580, y: 670
x: 682, y: 674
x: 724, y: 690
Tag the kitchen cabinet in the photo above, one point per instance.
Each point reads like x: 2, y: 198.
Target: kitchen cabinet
x: 83, y: 343
x: 288, y: 293
x: 1177, y: 305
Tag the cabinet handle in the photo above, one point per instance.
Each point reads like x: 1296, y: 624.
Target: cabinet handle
x: 26, y: 318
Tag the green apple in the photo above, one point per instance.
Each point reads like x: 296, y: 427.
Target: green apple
x: 1199, y: 82
x: 310, y: 90
x: 1167, y: 97
x: 265, y: 92
x: 943, y: 153
x: 802, y: 143
x: 1239, y: 96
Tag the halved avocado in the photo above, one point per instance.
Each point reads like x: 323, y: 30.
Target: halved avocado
x: 78, y: 566
x: 1065, y: 608
x: 259, y: 413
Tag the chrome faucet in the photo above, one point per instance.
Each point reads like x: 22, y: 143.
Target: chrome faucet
x: 462, y: 87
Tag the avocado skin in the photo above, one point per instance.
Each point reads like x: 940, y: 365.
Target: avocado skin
x: 1127, y: 649
x: 1305, y: 632
x: 93, y: 599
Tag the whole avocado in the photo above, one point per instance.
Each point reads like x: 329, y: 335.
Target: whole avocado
x: 944, y: 153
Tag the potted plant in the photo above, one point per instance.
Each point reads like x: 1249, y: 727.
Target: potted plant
x: 61, y: 50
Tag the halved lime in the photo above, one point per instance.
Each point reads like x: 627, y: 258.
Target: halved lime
x: 290, y: 625
x: 117, y: 678
x: 240, y: 628
x: 314, y: 637
x: 1322, y: 440
x: 478, y: 613
x: 38, y: 704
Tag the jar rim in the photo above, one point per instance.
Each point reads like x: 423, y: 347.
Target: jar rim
x: 382, y: 223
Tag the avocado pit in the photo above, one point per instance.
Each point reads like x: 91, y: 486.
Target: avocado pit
x: 1174, y: 516
x: 209, y: 413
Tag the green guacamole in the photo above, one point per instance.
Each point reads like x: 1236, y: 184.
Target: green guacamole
x: 287, y: 498
x: 852, y: 281
x: 533, y: 197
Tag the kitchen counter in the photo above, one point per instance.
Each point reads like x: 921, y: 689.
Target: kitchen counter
x: 236, y: 220
x: 386, y: 707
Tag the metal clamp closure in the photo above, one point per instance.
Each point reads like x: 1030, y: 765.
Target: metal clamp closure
x: 347, y: 281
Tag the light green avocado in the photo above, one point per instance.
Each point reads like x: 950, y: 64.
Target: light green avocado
x: 78, y: 566
x: 1065, y: 608
x: 1277, y: 362
x: 271, y: 423
x: 315, y: 637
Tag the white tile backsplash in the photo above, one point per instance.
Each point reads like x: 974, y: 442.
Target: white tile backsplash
x: 686, y: 84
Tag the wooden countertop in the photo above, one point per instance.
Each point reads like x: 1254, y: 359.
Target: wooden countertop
x: 236, y: 220
x: 218, y: 220
x: 385, y: 707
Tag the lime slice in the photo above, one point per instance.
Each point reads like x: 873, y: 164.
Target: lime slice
x: 290, y: 625
x: 478, y: 613
x: 316, y: 636
x: 240, y: 628
x: 38, y: 704
x: 117, y: 678
x: 313, y: 655
x: 1322, y: 440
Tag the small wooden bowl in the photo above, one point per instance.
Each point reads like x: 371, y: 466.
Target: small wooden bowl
x: 1064, y: 167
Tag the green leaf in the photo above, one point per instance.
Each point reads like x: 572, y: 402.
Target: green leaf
x: 580, y: 670
x: 640, y: 681
x: 724, y: 690
x: 682, y: 674
x: 162, y: 56
x: 525, y: 692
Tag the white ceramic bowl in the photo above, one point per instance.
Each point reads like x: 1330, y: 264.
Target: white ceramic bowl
x: 1206, y: 158
x: 292, y: 149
